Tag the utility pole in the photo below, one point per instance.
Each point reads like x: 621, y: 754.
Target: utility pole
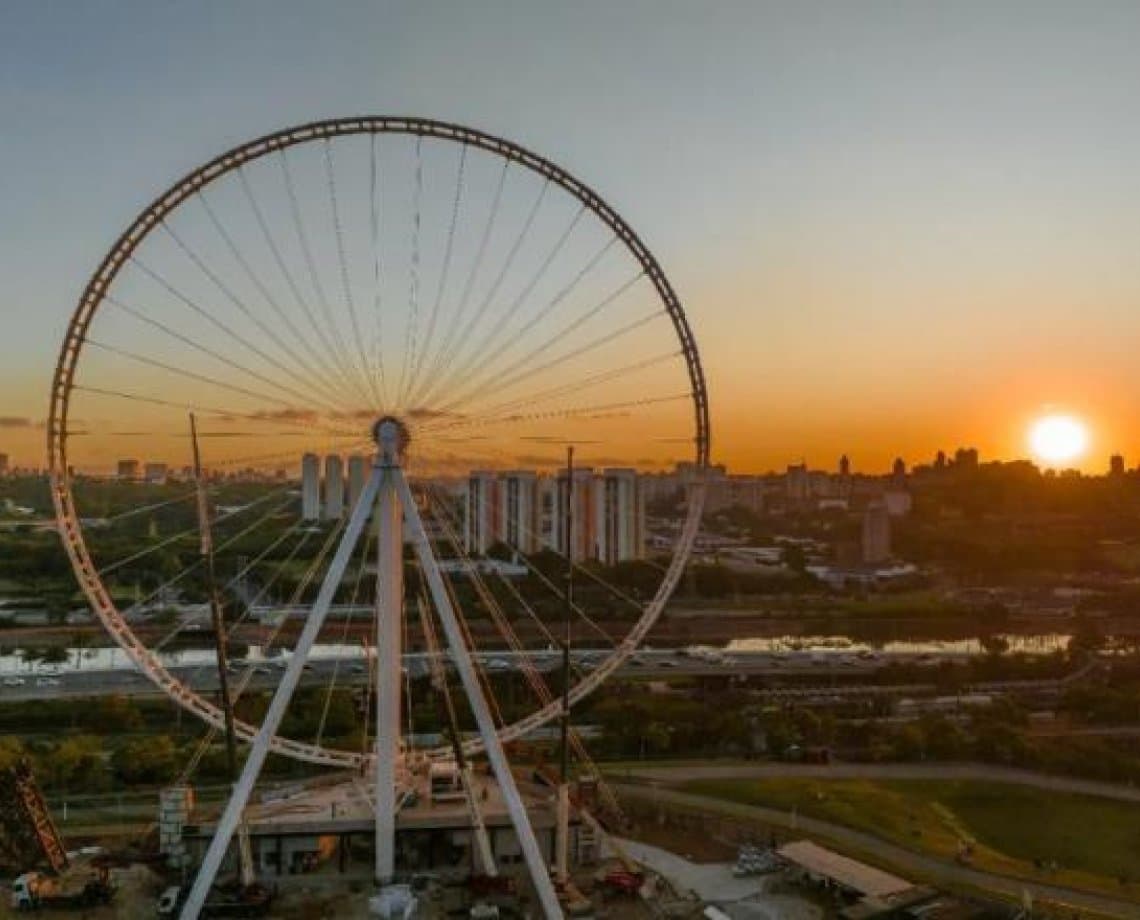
x: 562, y: 835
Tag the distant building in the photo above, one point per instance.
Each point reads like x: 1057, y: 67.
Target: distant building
x: 583, y: 515
x: 4, y: 467
x: 155, y: 474
x: 482, y: 517
x: 844, y: 466
x: 619, y: 517
x: 128, y: 470
x: 876, y: 534
x: 798, y: 483
x: 898, y: 469
x: 519, y: 510
x: 311, y: 487
x: 1116, y: 465
x: 966, y: 458
x: 334, y: 488
x: 940, y: 460
x: 357, y: 475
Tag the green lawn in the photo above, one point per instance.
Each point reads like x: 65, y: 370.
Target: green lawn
x: 1093, y: 840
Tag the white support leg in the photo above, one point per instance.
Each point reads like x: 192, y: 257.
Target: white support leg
x: 389, y: 623
x: 276, y: 712
x: 539, y: 872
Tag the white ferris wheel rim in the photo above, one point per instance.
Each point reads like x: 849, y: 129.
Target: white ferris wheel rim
x: 70, y: 526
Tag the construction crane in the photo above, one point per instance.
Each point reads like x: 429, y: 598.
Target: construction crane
x: 29, y: 832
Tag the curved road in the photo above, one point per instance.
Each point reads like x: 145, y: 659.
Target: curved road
x: 903, y: 860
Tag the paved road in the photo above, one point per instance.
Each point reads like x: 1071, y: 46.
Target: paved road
x: 938, y: 871
x: 675, y: 774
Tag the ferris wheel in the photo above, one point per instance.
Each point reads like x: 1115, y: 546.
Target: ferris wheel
x: 426, y: 296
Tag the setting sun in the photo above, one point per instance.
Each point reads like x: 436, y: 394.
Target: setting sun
x: 1058, y: 439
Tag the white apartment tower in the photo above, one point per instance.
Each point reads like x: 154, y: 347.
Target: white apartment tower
x: 482, y: 530
x: 619, y: 517
x: 334, y: 488
x: 357, y: 474
x: 583, y: 520
x: 311, y: 487
x: 519, y: 508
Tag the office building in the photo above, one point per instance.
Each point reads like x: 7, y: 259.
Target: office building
x: 334, y: 488
x: 311, y: 487
x: 128, y: 470
x: 876, y: 533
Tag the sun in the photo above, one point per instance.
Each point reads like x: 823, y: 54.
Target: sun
x: 1058, y: 439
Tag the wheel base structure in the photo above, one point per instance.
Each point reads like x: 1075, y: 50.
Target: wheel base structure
x: 387, y: 475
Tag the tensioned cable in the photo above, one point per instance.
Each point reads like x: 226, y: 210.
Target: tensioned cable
x: 313, y: 377
x: 291, y: 283
x: 548, y: 583
x: 268, y: 297
x: 249, y: 567
x: 477, y: 317
x: 107, y: 569
x: 558, y: 391
x: 443, y: 279
x: 375, y: 215
x: 461, y: 309
x: 343, y: 261
x: 413, y: 280
x: 197, y: 346
x: 192, y: 375
x: 367, y: 545
x: 205, y: 314
x: 518, y: 336
x: 474, y: 359
x: 314, y: 279
x: 521, y: 375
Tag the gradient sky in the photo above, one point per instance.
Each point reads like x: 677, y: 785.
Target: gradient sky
x: 895, y: 226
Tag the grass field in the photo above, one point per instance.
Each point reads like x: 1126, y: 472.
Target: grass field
x: 1093, y: 841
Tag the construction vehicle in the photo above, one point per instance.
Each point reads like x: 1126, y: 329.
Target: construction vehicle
x: 37, y: 891
x: 236, y: 900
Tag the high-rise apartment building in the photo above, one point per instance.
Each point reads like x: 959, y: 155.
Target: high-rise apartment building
x: 4, y: 465
x: 619, y: 517
x: 357, y: 474
x: 128, y: 470
x: 482, y: 512
x: 519, y: 509
x: 155, y: 474
x: 311, y: 487
x: 334, y: 488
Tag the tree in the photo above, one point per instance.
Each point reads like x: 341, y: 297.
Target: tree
x: 146, y: 760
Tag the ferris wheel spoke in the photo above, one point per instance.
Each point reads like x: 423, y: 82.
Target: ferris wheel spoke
x: 331, y: 359
x: 296, y: 361
x: 266, y: 295
x: 472, y: 275
x: 409, y: 354
x: 204, y: 349
x: 204, y: 378
x: 475, y: 359
x: 525, y: 369
x: 374, y: 223
x: 341, y: 351
x: 507, y: 410
x: 481, y: 311
x: 361, y: 568
x: 441, y: 287
x: 338, y: 233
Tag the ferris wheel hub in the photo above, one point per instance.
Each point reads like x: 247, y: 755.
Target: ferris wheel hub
x: 392, y: 437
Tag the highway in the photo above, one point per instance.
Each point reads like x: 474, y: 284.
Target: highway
x: 32, y: 681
